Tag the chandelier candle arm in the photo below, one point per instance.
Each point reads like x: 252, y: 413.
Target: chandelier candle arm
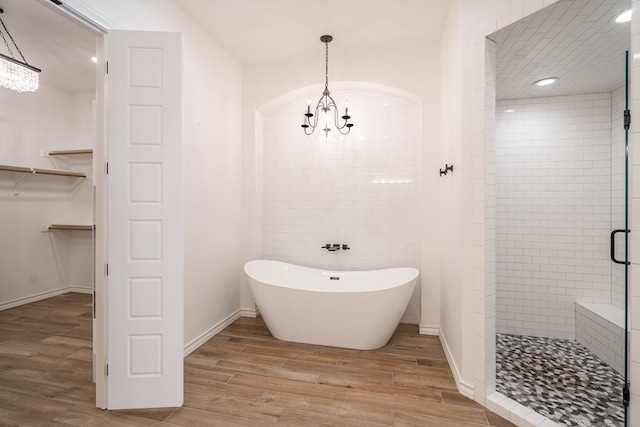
x: 326, y: 103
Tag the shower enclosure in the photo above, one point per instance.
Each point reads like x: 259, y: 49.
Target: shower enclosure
x: 561, y: 212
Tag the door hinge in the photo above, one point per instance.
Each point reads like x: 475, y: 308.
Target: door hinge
x: 626, y: 395
x: 107, y: 168
x: 106, y: 369
x: 627, y: 119
x: 107, y: 66
x: 106, y: 269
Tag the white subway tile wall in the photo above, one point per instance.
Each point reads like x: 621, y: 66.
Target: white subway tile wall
x: 617, y: 193
x: 362, y: 190
x: 553, y: 211
x: 485, y: 219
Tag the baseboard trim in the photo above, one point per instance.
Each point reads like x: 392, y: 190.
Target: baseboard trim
x: 80, y: 290
x: 464, y: 388
x: 43, y: 295
x: 213, y: 331
x: 429, y: 330
x: 248, y: 312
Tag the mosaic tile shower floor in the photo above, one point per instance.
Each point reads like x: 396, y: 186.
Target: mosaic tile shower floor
x: 559, y: 379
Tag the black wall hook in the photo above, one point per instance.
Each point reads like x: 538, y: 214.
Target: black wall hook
x: 447, y: 168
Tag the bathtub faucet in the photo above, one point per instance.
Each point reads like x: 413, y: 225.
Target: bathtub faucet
x: 335, y: 247
x: 331, y: 248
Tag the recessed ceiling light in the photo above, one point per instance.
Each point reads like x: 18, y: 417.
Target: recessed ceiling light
x: 94, y: 59
x: 546, y: 81
x: 624, y: 16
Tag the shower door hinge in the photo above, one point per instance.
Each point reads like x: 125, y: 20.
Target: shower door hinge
x: 107, y: 66
x: 626, y: 395
x: 106, y: 369
x: 106, y: 269
x: 627, y: 119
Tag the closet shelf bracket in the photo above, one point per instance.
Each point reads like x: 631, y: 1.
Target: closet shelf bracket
x: 17, y: 180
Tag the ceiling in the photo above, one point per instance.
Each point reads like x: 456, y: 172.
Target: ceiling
x: 571, y: 39
x: 252, y: 31
x: 257, y: 31
x: 574, y: 40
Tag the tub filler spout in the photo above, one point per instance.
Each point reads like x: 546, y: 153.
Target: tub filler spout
x: 330, y: 247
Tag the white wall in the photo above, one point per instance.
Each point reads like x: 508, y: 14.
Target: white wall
x: 211, y: 160
x: 362, y: 189
x: 452, y: 262
x: 463, y: 302
x: 36, y: 264
x: 413, y: 69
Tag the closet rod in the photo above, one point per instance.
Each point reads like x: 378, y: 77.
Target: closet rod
x: 42, y: 171
x: 70, y: 152
x: 70, y: 227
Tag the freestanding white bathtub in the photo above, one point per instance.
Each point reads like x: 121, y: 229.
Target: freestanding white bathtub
x: 350, y: 309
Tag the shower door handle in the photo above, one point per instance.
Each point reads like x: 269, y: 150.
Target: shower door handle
x: 613, y: 246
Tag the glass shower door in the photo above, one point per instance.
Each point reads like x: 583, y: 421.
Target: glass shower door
x: 627, y: 122
x: 620, y: 233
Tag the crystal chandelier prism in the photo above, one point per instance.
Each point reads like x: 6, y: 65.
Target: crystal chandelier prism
x: 15, y: 74
x: 327, y: 104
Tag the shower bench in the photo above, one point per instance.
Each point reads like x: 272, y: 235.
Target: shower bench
x: 600, y: 328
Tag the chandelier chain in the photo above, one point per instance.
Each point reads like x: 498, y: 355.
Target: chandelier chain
x: 5, y: 41
x: 13, y: 41
x: 326, y: 67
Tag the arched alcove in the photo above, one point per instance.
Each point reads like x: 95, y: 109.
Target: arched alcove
x: 363, y: 190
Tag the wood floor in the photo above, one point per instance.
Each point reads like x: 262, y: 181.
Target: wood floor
x: 241, y: 377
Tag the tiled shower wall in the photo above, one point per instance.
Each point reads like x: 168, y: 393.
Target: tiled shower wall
x: 363, y: 191
x: 553, y: 211
x: 617, y: 192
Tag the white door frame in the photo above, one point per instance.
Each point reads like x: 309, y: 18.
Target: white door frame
x: 93, y: 20
x: 97, y: 24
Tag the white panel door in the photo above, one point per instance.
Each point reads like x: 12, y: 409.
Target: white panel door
x: 145, y: 222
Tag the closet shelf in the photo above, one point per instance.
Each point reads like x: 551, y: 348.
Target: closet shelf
x: 58, y: 172
x: 70, y: 152
x: 67, y: 227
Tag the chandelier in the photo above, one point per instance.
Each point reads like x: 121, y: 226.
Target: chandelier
x: 326, y: 104
x: 15, y: 74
